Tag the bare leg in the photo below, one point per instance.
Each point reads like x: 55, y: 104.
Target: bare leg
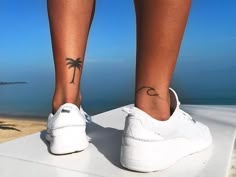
x: 160, y: 28
x: 70, y: 21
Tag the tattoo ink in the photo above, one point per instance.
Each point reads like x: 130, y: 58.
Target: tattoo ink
x: 74, y: 64
x: 149, y: 90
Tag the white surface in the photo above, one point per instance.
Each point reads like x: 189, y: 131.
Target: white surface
x: 28, y: 156
x: 223, y: 114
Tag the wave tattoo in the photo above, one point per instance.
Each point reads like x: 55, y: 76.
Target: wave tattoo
x: 150, y: 91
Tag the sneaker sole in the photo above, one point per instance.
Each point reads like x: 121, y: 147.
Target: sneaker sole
x: 147, y: 157
x: 67, y: 140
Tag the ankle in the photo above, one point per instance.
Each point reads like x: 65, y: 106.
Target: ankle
x: 157, y: 107
x: 60, y: 99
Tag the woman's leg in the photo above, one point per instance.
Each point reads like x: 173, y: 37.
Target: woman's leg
x: 149, y: 145
x: 160, y: 28
x: 70, y: 21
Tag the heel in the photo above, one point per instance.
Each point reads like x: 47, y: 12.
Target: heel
x: 68, y: 140
x: 153, y: 156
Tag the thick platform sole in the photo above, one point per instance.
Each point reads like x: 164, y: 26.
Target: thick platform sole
x: 149, y: 156
x: 68, y: 140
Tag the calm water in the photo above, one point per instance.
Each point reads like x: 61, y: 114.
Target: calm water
x: 114, y: 85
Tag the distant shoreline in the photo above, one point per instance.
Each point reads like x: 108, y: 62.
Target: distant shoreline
x: 10, y: 83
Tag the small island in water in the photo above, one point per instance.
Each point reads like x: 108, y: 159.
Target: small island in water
x: 9, y: 83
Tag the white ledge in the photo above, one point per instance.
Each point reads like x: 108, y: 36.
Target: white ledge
x: 29, y: 157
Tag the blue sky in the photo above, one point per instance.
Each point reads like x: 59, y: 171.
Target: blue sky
x: 25, y: 39
x: 207, y: 58
x: 25, y: 34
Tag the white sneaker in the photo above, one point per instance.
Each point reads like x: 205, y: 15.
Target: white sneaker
x: 151, y: 145
x: 66, y: 130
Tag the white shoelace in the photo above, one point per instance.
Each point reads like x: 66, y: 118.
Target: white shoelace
x: 187, y: 116
x: 87, y: 117
x: 127, y: 109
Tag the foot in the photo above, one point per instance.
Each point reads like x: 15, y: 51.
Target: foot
x: 66, y: 130
x: 151, y: 145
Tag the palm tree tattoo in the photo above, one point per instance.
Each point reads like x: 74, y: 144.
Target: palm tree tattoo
x: 150, y: 91
x: 74, y: 64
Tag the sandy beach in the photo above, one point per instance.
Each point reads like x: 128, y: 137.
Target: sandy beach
x: 12, y: 128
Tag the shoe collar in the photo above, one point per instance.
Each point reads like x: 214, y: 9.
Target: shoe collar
x: 174, y: 101
x: 174, y: 105
x: 66, y: 107
x: 151, y: 123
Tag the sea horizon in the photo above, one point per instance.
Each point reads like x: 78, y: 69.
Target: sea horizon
x: 103, y: 91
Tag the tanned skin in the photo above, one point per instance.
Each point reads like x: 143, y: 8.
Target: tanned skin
x: 160, y: 28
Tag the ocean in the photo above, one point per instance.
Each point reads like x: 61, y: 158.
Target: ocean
x: 113, y: 86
